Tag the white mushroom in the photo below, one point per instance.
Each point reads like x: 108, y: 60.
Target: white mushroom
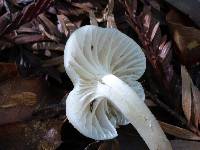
x: 104, y: 64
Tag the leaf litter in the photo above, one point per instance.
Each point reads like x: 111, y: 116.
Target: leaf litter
x: 34, y: 85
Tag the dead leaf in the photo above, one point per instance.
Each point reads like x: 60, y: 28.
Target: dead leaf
x: 154, y: 31
x: 190, y: 98
x: 18, y: 98
x: 67, y: 27
x: 50, y: 36
x: 41, y: 135
x: 23, y: 98
x: 196, y: 105
x: 179, y: 132
x: 165, y: 50
x: 186, y: 93
x: 185, y: 145
x: 51, y: 28
x: 29, y: 38
x: 187, y: 38
x: 12, y: 21
x: 48, y: 45
x: 187, y: 7
x: 156, y: 48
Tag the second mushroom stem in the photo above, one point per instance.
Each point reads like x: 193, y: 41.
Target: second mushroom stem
x: 125, y: 99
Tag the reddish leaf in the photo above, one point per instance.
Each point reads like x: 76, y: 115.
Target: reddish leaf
x: 165, y: 50
x: 154, y: 31
x: 13, y: 21
x: 147, y: 20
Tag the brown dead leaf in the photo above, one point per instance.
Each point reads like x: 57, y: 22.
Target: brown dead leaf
x: 179, y: 132
x: 190, y: 99
x: 196, y: 105
x: 186, y: 93
x: 23, y: 98
x: 50, y: 36
x: 187, y: 38
x: 189, y: 8
x: 18, y: 98
x: 49, y: 46
x: 51, y: 28
x: 185, y: 145
x: 38, y: 135
x: 29, y: 38
x: 67, y: 27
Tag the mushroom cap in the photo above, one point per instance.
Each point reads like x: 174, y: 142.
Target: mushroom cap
x: 90, y: 53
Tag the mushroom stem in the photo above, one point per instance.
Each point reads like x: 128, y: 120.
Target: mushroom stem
x: 125, y: 99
